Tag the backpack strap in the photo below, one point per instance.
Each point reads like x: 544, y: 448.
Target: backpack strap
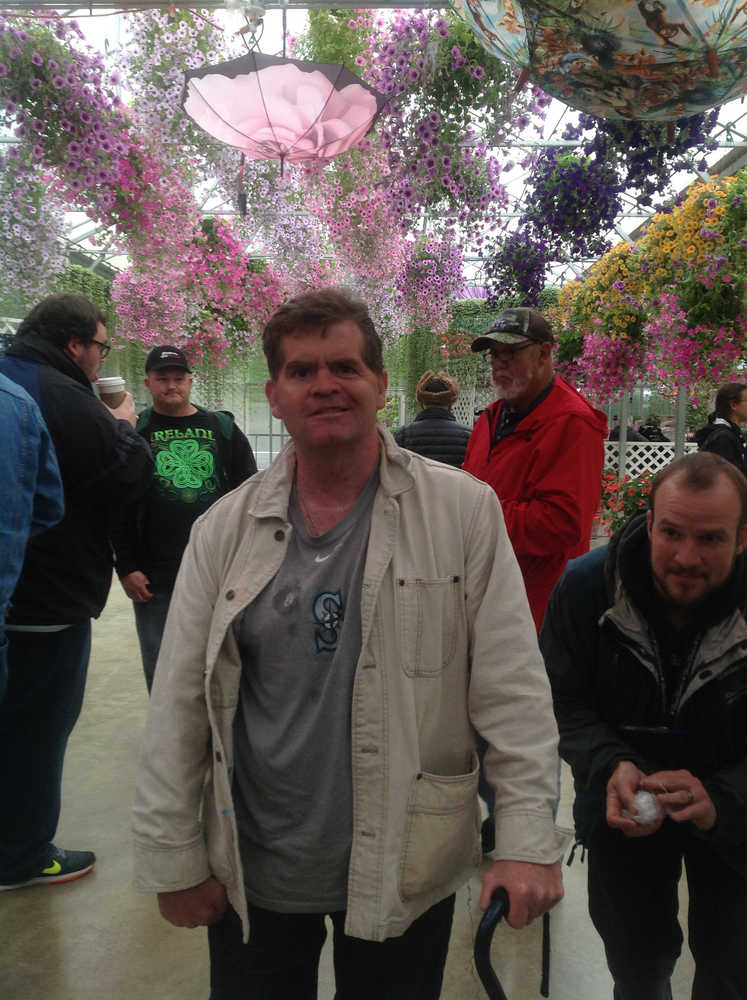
x: 143, y: 419
x: 224, y: 419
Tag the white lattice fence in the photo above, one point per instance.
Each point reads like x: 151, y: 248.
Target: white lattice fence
x: 641, y: 456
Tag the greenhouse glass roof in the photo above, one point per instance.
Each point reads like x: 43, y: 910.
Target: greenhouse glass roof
x: 102, y: 26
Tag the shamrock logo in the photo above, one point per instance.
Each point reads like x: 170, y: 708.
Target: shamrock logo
x: 185, y: 464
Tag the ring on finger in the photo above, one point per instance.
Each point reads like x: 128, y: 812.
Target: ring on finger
x: 690, y: 796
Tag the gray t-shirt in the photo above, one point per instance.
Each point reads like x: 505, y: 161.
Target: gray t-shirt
x: 299, y: 642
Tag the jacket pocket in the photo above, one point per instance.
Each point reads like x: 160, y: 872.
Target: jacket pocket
x: 428, y: 623
x: 441, y: 838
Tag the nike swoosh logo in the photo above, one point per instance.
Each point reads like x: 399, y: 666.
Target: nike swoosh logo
x: 322, y: 558
x: 54, y: 869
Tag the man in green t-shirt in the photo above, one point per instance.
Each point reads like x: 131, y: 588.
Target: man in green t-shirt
x: 199, y: 456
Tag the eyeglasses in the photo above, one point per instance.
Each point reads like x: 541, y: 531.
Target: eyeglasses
x: 103, y: 347
x: 507, y: 354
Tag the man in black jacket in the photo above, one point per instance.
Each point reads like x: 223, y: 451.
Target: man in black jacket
x: 722, y: 434
x: 56, y: 355
x: 646, y: 647
x: 199, y: 457
x: 435, y: 432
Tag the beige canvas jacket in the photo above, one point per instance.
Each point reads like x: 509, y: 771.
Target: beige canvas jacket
x: 448, y: 643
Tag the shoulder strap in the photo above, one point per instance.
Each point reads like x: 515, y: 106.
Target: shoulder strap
x: 143, y: 419
x: 223, y: 418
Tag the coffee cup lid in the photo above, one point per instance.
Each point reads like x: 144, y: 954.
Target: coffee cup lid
x: 110, y: 383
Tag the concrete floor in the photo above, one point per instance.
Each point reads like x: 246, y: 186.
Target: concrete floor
x: 97, y: 938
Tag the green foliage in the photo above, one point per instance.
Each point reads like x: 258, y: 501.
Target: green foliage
x: 548, y: 298
x: 473, y: 101
x: 570, y: 344
x: 470, y: 314
x: 390, y: 413
x: 422, y: 353
x: 329, y: 39
x: 82, y: 281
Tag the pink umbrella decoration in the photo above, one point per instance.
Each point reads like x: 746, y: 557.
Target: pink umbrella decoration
x: 273, y: 108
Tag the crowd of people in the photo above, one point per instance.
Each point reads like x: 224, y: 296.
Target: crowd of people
x: 343, y: 649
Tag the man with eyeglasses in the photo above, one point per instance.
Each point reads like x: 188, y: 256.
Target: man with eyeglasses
x: 55, y: 355
x: 540, y: 445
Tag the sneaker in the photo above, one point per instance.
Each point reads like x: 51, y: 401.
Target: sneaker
x: 63, y: 866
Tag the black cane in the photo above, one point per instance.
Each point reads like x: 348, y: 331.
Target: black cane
x: 498, y: 908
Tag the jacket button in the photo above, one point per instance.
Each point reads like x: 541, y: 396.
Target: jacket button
x: 279, y: 535
x: 705, y: 674
x: 230, y: 595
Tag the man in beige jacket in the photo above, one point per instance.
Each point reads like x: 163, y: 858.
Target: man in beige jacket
x: 339, y: 624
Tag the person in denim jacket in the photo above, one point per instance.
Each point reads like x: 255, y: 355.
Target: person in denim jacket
x: 31, y: 496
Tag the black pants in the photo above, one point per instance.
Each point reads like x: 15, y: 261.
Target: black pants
x: 633, y: 904
x: 281, y: 960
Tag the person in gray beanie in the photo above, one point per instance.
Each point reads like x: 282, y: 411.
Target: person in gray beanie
x: 435, y: 432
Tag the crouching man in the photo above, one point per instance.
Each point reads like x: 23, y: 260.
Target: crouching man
x: 646, y: 646
x: 339, y: 624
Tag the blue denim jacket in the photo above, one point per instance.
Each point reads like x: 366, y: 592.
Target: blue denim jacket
x: 31, y: 496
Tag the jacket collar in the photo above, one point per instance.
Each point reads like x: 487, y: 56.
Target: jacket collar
x: 32, y: 347
x: 629, y: 581
x: 272, y: 496
x: 435, y: 413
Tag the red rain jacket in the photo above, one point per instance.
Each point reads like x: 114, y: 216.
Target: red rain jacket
x: 548, y: 476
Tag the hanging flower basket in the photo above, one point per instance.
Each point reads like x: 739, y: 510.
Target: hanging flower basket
x: 518, y: 268
x: 576, y: 199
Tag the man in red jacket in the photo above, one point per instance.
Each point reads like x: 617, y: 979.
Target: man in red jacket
x: 540, y: 445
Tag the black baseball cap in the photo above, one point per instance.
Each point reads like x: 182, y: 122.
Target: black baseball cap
x: 513, y: 326
x: 166, y: 357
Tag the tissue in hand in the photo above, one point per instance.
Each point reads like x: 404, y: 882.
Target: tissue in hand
x: 648, y: 808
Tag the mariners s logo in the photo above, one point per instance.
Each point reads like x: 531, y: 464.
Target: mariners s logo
x: 328, y: 615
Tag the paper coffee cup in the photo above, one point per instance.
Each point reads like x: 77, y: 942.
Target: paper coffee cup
x: 112, y: 390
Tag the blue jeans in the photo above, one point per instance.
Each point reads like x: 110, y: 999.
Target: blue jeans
x: 281, y: 960
x: 46, y: 680
x: 150, y: 621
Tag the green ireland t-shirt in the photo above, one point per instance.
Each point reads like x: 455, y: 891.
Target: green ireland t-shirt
x: 187, y: 479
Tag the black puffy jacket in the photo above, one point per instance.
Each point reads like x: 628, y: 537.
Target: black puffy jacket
x: 608, y: 686
x: 436, y: 434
